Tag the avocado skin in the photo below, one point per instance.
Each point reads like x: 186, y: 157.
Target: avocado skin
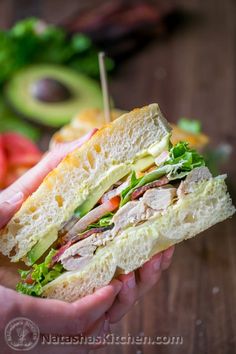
x: 86, y: 93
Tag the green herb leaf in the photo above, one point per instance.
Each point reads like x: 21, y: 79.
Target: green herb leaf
x: 190, y: 125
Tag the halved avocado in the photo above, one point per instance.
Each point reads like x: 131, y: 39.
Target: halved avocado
x: 51, y: 94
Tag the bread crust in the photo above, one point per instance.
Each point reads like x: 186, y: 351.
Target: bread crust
x: 82, y: 124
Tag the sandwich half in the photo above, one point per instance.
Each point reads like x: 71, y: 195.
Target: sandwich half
x: 110, y: 205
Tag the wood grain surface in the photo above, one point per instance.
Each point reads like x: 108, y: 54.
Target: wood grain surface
x: 190, y: 73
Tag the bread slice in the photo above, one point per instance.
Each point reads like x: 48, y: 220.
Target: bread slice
x: 95, y: 118
x: 207, y: 205
x: 112, y: 149
x: 81, y: 124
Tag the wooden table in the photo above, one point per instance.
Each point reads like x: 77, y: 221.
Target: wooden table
x: 191, y: 74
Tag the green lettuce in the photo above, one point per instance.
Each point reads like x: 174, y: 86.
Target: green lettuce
x: 106, y: 220
x: 182, y: 159
x: 32, y: 41
x: 41, y: 275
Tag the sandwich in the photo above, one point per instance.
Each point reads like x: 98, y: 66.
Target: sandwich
x: 91, y: 118
x: 110, y: 205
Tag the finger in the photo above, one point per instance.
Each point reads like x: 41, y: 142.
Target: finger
x: 149, y: 274
x: 167, y: 257
x: 33, y: 177
x: 98, y: 332
x: 70, y: 146
x: 92, y: 339
x: 60, y: 347
x: 125, y: 299
x: 30, y: 181
x: 64, y: 318
x: 93, y: 306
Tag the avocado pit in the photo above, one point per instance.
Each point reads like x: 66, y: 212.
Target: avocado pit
x: 50, y: 90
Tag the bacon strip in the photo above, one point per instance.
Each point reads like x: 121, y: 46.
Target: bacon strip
x: 90, y: 232
x: 60, y: 252
x: 141, y: 190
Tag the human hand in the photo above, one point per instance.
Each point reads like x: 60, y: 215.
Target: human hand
x: 86, y: 316
x: 12, y: 197
x: 136, y: 284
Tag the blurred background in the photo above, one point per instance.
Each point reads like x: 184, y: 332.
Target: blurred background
x: 180, y: 54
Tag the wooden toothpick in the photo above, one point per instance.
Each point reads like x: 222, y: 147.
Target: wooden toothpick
x: 105, y: 92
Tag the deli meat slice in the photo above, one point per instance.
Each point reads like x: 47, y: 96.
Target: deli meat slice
x: 141, y: 190
x: 159, y: 198
x: 76, y: 239
x: 197, y: 175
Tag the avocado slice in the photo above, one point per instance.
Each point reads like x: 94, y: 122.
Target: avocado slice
x: 41, y: 247
x: 51, y: 94
x: 112, y: 177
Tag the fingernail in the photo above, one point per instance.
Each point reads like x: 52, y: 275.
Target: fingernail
x: 157, y: 264
x: 15, y: 198
x: 117, y: 285
x: 169, y: 252
x: 106, y: 326
x: 131, y: 283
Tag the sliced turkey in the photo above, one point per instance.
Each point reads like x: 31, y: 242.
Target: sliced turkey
x: 159, y: 198
x: 197, y: 175
x: 79, y: 254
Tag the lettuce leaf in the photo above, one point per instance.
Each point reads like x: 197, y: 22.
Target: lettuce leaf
x: 106, y: 220
x: 181, y: 161
x: 133, y: 183
x: 41, y: 274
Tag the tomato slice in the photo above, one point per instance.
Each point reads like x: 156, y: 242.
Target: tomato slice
x: 94, y: 215
x: 3, y: 164
x: 20, y: 154
x: 29, y: 280
x: 113, y: 203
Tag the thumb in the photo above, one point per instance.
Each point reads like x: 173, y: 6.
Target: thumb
x: 9, y: 207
